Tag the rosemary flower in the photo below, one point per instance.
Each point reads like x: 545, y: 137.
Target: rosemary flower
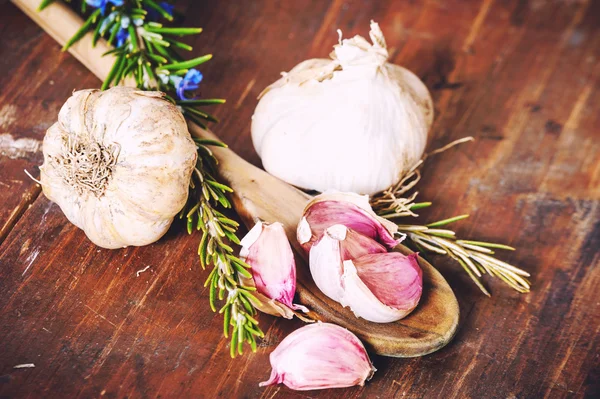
x: 102, y: 4
x: 190, y: 81
x: 121, y: 37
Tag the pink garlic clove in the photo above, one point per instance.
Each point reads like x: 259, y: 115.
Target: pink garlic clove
x: 267, y: 250
x: 359, y: 273
x: 382, y: 288
x: 337, y: 244
x: 319, y: 356
x: 349, y: 209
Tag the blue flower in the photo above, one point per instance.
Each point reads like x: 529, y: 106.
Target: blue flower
x: 189, y: 82
x: 122, y: 36
x: 123, y: 32
x: 101, y: 4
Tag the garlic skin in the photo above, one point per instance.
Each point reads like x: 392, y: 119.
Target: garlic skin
x: 319, y: 356
x: 118, y: 163
x: 352, y: 123
x: 267, y: 250
x: 351, y: 210
x: 376, y: 285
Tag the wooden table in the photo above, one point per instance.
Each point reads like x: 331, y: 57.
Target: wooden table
x: 522, y: 77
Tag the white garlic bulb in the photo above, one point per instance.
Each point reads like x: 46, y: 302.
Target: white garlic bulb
x: 118, y: 163
x: 352, y: 123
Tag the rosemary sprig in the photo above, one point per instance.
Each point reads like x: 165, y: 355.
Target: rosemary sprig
x: 225, y: 278
x: 475, y: 257
x: 145, y: 53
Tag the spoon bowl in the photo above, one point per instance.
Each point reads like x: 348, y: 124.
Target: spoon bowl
x: 260, y: 196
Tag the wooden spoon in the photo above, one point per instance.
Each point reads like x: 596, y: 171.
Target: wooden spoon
x: 259, y: 195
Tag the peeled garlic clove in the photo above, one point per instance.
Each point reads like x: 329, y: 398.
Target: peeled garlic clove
x: 319, y: 356
x: 325, y: 262
x: 382, y: 288
x: 337, y: 245
x: 267, y: 250
x: 349, y: 209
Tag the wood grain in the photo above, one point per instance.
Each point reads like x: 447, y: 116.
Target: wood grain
x: 520, y: 76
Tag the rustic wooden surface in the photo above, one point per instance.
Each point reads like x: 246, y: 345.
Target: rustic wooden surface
x: 520, y: 76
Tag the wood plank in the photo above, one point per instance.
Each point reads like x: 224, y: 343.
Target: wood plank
x: 34, y: 71
x: 522, y: 77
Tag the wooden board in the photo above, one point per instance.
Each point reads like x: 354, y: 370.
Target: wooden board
x: 29, y: 72
x: 522, y: 77
x: 258, y: 196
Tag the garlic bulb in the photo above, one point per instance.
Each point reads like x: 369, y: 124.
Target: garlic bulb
x: 118, y: 163
x: 352, y: 123
x: 267, y: 250
x: 319, y: 356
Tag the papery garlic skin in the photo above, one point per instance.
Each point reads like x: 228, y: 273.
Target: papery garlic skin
x: 267, y: 250
x: 349, y: 209
x: 352, y: 123
x: 320, y: 356
x: 132, y: 199
x: 376, y: 285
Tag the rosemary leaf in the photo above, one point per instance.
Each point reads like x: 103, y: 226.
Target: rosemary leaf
x: 420, y: 205
x: 44, y: 4
x: 447, y: 221
x: 159, y: 9
x: 176, y: 31
x: 486, y: 244
x: 205, y: 101
x: 83, y: 30
x: 187, y: 64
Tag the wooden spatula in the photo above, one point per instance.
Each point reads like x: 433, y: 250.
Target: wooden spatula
x: 259, y: 195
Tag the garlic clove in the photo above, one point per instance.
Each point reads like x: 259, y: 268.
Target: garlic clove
x: 357, y: 272
x: 267, y: 250
x: 319, y: 356
x: 352, y: 244
x: 337, y: 245
x: 382, y: 288
x: 325, y: 262
x: 349, y: 209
